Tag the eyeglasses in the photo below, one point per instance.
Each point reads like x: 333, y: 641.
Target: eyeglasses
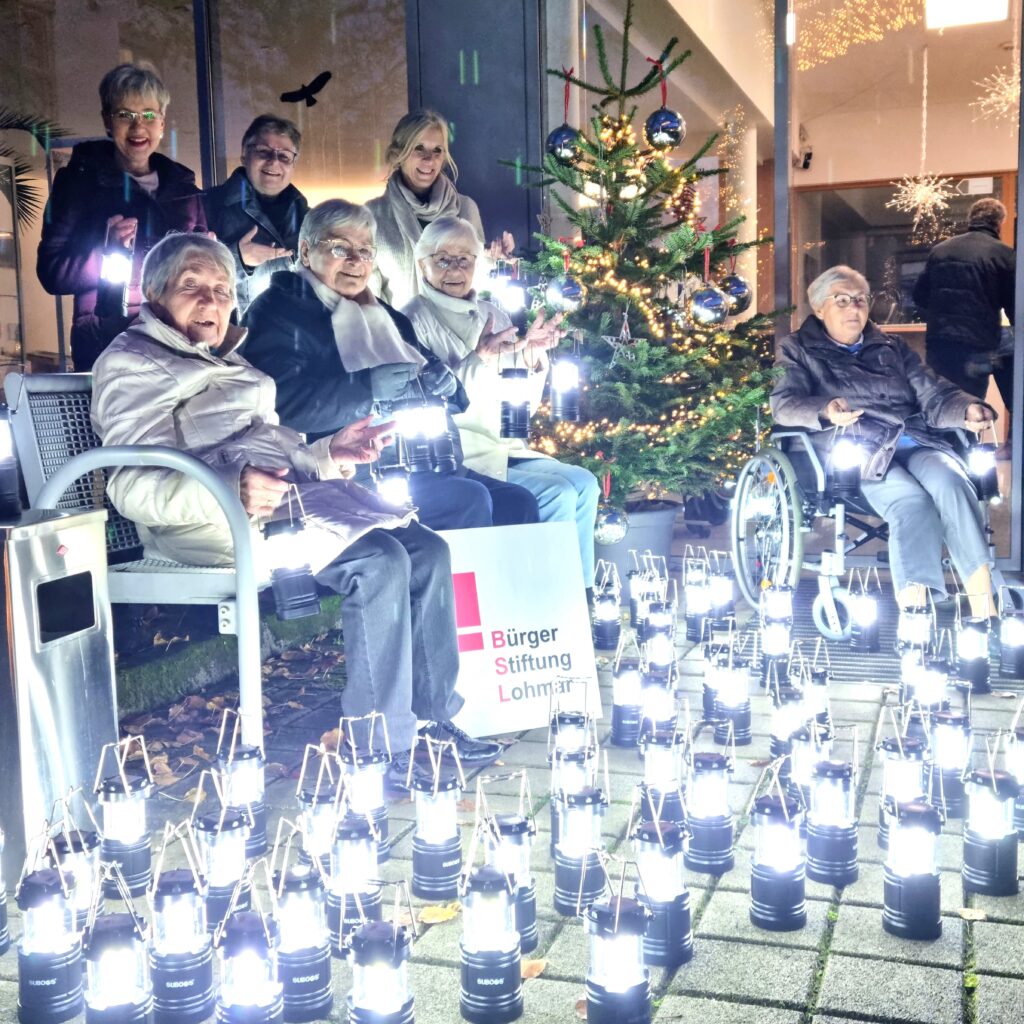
x: 844, y: 301
x: 364, y: 254
x: 131, y: 116
x: 444, y: 261
x: 286, y: 157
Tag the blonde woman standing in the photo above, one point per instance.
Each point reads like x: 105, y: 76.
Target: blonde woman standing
x: 418, y: 192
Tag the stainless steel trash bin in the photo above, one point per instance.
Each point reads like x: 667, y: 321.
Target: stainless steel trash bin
x: 57, y: 699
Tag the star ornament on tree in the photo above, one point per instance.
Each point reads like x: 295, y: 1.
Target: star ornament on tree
x: 622, y: 344
x: 926, y: 197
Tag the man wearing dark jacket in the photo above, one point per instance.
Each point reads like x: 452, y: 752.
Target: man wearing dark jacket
x: 966, y: 282
x: 116, y: 198
x: 257, y: 212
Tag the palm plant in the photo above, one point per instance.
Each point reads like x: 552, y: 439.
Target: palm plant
x: 28, y: 197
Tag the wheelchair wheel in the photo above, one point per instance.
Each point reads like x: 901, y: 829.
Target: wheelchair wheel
x: 842, y: 599
x: 767, y: 540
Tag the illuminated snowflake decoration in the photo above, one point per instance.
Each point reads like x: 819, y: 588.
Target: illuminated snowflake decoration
x: 926, y: 198
x: 1000, y: 96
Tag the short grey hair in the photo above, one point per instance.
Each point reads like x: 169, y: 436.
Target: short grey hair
x: 132, y: 80
x: 272, y: 125
x: 334, y: 215
x: 167, y: 259
x: 443, y: 230
x: 818, y: 289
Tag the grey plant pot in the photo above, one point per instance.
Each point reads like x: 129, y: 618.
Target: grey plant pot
x: 651, y: 527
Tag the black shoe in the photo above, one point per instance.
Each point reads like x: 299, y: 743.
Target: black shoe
x: 397, y: 773
x: 471, y: 751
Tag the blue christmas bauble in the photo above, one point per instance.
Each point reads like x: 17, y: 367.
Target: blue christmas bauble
x: 564, y: 293
x: 709, y: 306
x: 564, y: 144
x: 738, y: 292
x: 664, y: 129
x: 611, y: 524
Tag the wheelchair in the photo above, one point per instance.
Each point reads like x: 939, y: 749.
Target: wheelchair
x: 780, y: 493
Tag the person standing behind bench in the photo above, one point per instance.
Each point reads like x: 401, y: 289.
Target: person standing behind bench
x: 257, y: 212
x: 116, y: 196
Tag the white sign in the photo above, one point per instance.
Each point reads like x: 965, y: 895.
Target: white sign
x: 524, y: 629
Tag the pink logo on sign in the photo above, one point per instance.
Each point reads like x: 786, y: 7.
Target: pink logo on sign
x: 467, y: 611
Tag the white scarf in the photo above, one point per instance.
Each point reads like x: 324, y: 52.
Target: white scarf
x: 363, y: 332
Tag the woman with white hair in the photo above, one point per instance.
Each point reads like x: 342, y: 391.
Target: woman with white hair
x: 337, y: 354
x: 174, y: 378
x: 115, y: 198
x: 418, y: 193
x: 840, y: 372
x: 475, y: 339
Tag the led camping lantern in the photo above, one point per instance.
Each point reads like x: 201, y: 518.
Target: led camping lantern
x: 181, y: 951
x: 392, y: 482
x: 716, y: 656
x: 864, y: 615
x: 579, y: 876
x: 286, y: 550
x: 1011, y: 644
x: 696, y: 596
x: 626, y: 702
x: 515, y: 402
x: 304, y: 948
x: 354, y: 893
x: 421, y: 424
x: 911, y: 888
x: 914, y: 628
x: 657, y: 703
x: 507, y: 288
x: 721, y: 592
x: 365, y: 766
x: 250, y: 991
x: 902, y: 777
x: 928, y: 686
x: 777, y: 879
x: 118, y: 988
x: 732, y: 703
x: 787, y: 717
x: 618, y: 985
x: 810, y: 744
x: 436, y: 846
x: 380, y: 991
x: 662, y: 754
x: 49, y: 951
x: 221, y: 838
x: 972, y: 654
x: 659, y: 851
x: 606, y: 621
x: 832, y: 825
x: 845, y: 464
x: 990, y: 836
x: 949, y: 758
x: 117, y: 265
x: 319, y: 808
x: 78, y: 854
x: 122, y: 798
x: 508, y: 844
x: 710, y: 820
x: 983, y: 471
x: 659, y: 639
x: 242, y: 769
x: 491, y: 989
x: 572, y: 752
x: 565, y: 388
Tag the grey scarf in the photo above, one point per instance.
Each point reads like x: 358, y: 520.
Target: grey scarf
x: 409, y: 210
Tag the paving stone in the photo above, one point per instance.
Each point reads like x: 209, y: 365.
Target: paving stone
x: 859, y: 930
x: 999, y: 947
x: 999, y: 999
x: 727, y: 915
x: 1002, y: 908
x: 747, y: 971
x: 891, y: 991
x: 718, y: 1011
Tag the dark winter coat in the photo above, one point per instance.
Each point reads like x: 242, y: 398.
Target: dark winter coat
x: 967, y: 280
x: 885, y: 378
x: 291, y: 339
x: 86, y: 193
x: 233, y: 210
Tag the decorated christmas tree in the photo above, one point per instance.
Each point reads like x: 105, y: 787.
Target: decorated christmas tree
x: 673, y: 380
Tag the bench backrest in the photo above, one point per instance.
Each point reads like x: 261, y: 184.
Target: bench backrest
x: 50, y: 423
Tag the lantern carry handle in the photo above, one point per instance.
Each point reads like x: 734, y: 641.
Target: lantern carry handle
x: 111, y: 871
x: 123, y: 748
x: 184, y: 834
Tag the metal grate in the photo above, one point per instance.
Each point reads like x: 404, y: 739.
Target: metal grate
x: 63, y: 429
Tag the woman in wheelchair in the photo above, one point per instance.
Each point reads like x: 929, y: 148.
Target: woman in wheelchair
x: 840, y: 372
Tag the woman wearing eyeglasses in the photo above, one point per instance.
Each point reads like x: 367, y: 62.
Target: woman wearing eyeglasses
x: 418, y: 192
x: 338, y: 354
x: 112, y: 203
x: 840, y: 372
x: 257, y: 212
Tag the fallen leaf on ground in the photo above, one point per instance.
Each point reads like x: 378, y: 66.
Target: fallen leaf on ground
x: 467, y: 804
x: 296, y: 706
x: 294, y: 655
x: 972, y: 914
x: 1007, y: 694
x: 329, y: 740
x: 404, y: 918
x: 532, y: 968
x: 276, y: 770
x: 438, y: 914
x: 581, y: 1008
x: 195, y: 702
x: 191, y: 794
x: 186, y: 736
x: 763, y: 763
x: 202, y: 754
x: 155, y: 746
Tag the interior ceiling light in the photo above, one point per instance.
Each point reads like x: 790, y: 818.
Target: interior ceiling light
x: 956, y: 13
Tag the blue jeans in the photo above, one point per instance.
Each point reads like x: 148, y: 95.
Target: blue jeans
x: 564, y: 494
x: 461, y: 501
x: 398, y: 616
x: 927, y: 498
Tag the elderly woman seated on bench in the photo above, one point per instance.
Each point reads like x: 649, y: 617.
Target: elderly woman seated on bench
x: 840, y: 371
x: 173, y: 378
